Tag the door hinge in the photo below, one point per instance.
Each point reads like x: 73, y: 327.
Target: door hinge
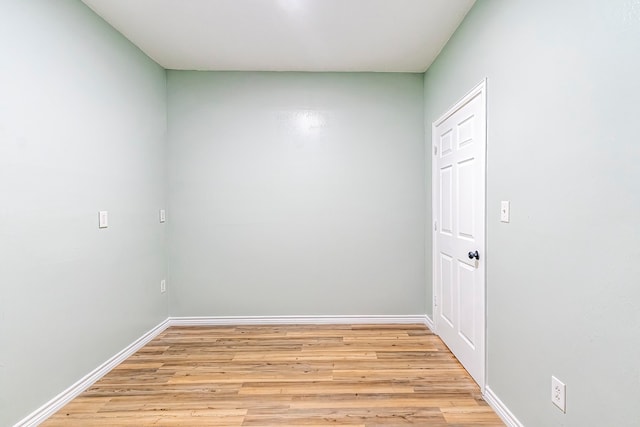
x: 435, y: 301
x: 435, y: 150
x: 435, y: 225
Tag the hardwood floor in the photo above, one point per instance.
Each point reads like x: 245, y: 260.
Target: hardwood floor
x: 355, y: 375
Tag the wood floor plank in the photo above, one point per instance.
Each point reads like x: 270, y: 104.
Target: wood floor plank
x: 291, y: 375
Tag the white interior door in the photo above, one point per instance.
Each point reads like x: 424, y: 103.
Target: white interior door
x: 459, y: 147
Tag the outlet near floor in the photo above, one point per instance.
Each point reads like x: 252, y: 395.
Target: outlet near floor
x: 163, y: 285
x: 558, y: 393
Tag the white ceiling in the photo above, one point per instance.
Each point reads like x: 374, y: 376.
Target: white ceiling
x: 287, y: 35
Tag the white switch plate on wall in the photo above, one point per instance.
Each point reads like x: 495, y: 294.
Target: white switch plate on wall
x: 163, y: 285
x: 163, y: 215
x: 504, y: 211
x: 103, y: 219
x: 558, y: 394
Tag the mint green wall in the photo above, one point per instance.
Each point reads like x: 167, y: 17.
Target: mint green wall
x: 82, y: 128
x: 296, y: 193
x: 563, y: 147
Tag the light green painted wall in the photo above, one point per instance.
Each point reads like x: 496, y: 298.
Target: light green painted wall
x: 269, y: 216
x: 82, y: 128
x: 563, y: 147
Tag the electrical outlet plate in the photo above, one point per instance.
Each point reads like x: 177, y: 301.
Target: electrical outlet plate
x: 163, y: 285
x: 558, y: 394
x: 163, y: 215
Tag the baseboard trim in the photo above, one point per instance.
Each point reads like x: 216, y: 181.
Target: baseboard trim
x: 293, y: 320
x: 501, y: 409
x: 51, y: 407
x: 428, y: 322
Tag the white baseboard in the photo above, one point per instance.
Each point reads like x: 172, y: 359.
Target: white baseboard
x: 293, y: 320
x: 501, y: 409
x: 428, y: 322
x: 52, y: 406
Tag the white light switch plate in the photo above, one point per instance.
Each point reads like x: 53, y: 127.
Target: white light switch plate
x: 103, y: 219
x: 163, y: 215
x: 504, y: 211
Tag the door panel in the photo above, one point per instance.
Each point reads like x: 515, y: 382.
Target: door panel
x: 446, y: 143
x: 459, y: 205
x: 446, y: 271
x: 466, y: 199
x: 466, y: 273
x: 446, y: 202
x: 465, y: 131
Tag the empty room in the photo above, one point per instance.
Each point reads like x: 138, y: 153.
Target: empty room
x: 320, y: 212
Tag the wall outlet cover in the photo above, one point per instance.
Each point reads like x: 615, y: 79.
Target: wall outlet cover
x: 558, y: 394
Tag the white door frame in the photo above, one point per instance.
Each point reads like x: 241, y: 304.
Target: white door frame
x: 480, y: 88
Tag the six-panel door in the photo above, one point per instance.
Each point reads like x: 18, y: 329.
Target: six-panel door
x: 459, y: 203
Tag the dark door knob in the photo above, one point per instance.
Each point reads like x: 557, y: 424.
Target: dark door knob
x: 473, y: 255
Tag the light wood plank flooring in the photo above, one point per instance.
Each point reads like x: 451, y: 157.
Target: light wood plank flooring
x: 352, y: 375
